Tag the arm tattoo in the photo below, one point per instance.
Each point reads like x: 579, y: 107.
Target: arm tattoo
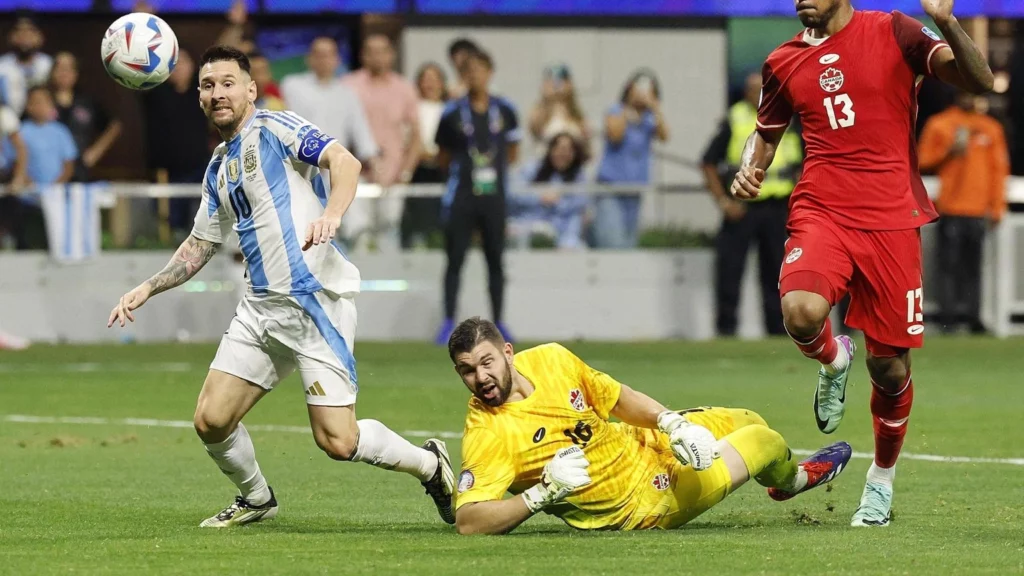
x: 191, y: 256
x: 970, y: 62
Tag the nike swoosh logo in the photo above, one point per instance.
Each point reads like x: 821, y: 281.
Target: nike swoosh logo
x: 821, y: 423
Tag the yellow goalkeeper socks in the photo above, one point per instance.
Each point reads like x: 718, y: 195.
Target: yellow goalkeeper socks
x: 768, y: 458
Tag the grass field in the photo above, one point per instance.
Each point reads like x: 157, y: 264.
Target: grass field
x: 100, y: 495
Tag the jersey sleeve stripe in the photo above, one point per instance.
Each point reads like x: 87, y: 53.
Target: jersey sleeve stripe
x: 279, y: 119
x: 285, y: 119
x: 770, y: 126
x: 299, y: 120
x: 210, y: 184
x: 931, y: 53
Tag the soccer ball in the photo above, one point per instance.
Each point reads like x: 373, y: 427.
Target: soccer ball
x: 139, y: 51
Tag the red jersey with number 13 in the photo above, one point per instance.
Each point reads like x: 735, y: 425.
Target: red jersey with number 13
x: 856, y: 95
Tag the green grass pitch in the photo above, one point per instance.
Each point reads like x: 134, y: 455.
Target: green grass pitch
x: 110, y: 497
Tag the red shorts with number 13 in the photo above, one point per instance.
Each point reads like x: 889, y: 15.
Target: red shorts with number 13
x: 881, y: 269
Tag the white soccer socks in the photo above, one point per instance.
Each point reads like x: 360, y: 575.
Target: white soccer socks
x: 381, y: 447
x: 236, y: 458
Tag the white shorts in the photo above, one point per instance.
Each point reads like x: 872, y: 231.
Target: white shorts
x: 270, y: 336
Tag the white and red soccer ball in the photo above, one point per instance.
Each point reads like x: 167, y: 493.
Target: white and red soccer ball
x: 139, y: 51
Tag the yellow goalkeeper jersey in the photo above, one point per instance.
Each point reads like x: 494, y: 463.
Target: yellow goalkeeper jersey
x: 505, y: 448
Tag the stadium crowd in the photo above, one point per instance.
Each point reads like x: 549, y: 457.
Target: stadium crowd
x: 53, y: 133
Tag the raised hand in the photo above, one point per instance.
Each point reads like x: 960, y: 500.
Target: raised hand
x: 939, y: 10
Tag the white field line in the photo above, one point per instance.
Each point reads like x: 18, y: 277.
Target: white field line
x: 149, y: 422
x: 83, y: 367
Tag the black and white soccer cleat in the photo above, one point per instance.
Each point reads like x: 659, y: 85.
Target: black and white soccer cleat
x: 442, y: 483
x: 241, y: 512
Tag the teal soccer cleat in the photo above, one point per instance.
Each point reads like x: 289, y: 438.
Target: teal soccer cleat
x: 830, y: 394
x: 875, y: 505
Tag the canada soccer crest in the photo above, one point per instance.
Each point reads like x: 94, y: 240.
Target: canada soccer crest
x: 831, y: 80
x: 660, y: 482
x: 794, y: 255
x: 579, y: 403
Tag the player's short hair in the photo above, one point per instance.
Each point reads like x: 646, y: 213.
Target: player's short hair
x: 225, y: 53
x: 462, y: 45
x: 482, y: 57
x: 471, y: 332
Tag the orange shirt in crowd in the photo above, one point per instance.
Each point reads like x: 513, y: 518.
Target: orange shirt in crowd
x: 973, y: 183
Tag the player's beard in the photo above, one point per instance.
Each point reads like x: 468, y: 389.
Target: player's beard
x: 228, y: 125
x: 818, y: 20
x: 504, y: 387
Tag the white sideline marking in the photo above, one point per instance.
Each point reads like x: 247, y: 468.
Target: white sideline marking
x: 80, y: 367
x: 25, y: 419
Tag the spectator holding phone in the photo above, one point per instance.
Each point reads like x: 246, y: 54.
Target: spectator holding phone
x: 558, y: 110
x: 630, y: 128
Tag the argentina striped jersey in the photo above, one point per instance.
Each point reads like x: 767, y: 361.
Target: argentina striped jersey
x: 265, y: 184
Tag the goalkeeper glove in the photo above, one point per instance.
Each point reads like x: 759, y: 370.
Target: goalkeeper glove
x: 691, y: 443
x: 566, y: 473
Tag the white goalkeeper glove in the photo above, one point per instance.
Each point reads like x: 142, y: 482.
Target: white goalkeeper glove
x: 691, y: 443
x: 566, y: 473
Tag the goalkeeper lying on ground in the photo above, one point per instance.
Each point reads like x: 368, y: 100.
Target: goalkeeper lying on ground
x: 538, y: 427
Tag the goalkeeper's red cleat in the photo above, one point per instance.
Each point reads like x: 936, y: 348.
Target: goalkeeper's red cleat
x: 821, y: 467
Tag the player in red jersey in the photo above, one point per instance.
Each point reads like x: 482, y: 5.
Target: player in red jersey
x: 855, y: 216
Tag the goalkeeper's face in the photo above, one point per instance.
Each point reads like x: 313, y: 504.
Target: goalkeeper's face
x: 487, y: 372
x: 225, y: 93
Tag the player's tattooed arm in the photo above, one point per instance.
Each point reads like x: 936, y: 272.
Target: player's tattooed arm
x: 966, y: 67
x: 191, y: 256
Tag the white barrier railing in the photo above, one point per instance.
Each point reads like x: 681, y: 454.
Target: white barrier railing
x: 1014, y: 190
x: 1004, y: 260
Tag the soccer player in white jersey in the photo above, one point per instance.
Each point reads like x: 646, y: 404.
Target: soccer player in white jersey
x: 265, y: 181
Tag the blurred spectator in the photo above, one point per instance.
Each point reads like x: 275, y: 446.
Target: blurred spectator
x: 13, y: 165
x: 421, y: 216
x: 177, y: 136
x: 479, y: 139
x: 268, y: 96
x: 237, y: 33
x: 551, y: 212
x: 558, y: 110
x: 322, y: 98
x: 51, y: 160
x: 24, y: 66
x: 390, y: 104
x: 630, y: 128
x: 458, y: 51
x: 14, y: 160
x: 93, y: 130
x: 967, y: 149
x: 762, y: 221
x: 1016, y: 100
